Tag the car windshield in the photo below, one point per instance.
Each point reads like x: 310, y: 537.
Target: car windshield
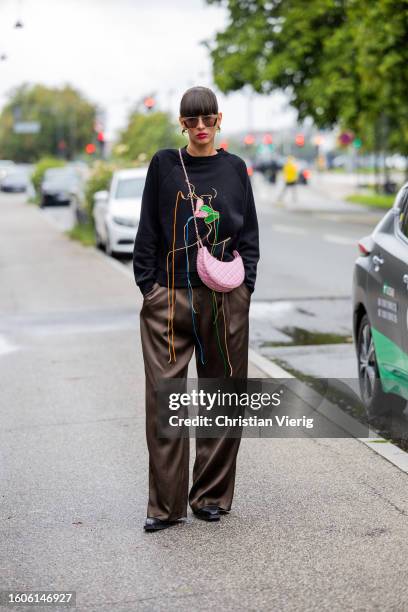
x: 17, y: 176
x: 130, y: 188
x: 61, y: 181
x: 64, y: 171
x: 62, y: 176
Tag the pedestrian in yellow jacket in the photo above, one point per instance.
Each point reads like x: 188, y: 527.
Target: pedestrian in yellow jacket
x: 290, y: 177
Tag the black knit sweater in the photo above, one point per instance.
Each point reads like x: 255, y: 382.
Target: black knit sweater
x: 219, y: 182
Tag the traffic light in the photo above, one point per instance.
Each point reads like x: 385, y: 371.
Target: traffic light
x: 101, y: 142
x: 300, y: 140
x: 224, y: 145
x: 267, y: 139
x: 149, y: 102
x: 90, y: 148
x: 249, y: 139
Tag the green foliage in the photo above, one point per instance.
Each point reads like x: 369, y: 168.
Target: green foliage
x: 63, y: 113
x: 99, y: 180
x: 83, y: 232
x: 375, y: 200
x: 146, y: 133
x: 341, y: 62
x: 44, y: 164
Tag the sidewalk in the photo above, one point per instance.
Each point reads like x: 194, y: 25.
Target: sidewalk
x: 316, y: 524
x: 319, y: 196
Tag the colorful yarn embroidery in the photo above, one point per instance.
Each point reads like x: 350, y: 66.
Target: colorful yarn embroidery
x: 211, y: 218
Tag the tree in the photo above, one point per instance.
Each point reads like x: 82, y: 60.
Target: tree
x: 66, y: 122
x: 147, y: 132
x: 341, y: 62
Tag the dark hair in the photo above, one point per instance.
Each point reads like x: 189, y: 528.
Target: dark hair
x: 198, y: 101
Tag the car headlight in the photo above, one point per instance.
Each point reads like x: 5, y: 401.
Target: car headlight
x: 124, y: 221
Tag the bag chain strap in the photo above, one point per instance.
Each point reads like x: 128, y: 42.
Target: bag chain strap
x: 191, y: 198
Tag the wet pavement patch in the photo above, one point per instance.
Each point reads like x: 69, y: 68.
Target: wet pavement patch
x: 304, y: 322
x: 305, y: 337
x: 392, y: 428
x: 344, y: 398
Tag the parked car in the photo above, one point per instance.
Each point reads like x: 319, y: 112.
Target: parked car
x: 17, y: 181
x: 116, y: 212
x: 380, y: 311
x: 57, y: 185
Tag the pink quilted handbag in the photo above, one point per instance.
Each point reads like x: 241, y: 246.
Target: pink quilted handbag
x: 216, y: 274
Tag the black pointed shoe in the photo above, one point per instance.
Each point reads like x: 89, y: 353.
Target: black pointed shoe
x: 155, y: 524
x: 208, y: 513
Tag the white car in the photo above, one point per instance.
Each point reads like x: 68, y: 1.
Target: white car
x: 6, y: 166
x: 116, y: 212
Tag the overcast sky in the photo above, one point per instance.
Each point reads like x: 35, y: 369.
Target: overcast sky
x: 116, y: 51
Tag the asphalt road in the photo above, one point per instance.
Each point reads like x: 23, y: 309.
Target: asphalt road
x: 308, y: 247
x: 317, y: 524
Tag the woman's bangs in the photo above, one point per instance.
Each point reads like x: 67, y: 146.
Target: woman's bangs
x: 199, y: 102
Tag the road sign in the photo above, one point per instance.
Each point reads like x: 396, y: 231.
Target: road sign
x: 27, y: 127
x: 346, y: 138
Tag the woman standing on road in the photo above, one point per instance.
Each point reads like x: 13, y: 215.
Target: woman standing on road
x: 181, y: 313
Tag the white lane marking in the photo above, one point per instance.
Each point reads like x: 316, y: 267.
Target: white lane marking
x: 289, y: 229
x: 334, y: 238
x: 6, y: 346
x: 339, y: 239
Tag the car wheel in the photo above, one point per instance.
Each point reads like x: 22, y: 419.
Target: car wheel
x: 375, y: 401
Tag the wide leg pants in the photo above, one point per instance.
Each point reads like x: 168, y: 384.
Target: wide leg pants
x: 215, y: 461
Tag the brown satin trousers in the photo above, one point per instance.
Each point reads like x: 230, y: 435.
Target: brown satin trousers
x: 215, y: 461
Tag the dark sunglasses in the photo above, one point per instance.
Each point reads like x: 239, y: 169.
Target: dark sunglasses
x: 208, y: 120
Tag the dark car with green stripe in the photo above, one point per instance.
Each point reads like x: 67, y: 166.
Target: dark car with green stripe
x: 380, y: 311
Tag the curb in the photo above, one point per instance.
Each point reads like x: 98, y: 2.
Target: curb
x: 377, y: 444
